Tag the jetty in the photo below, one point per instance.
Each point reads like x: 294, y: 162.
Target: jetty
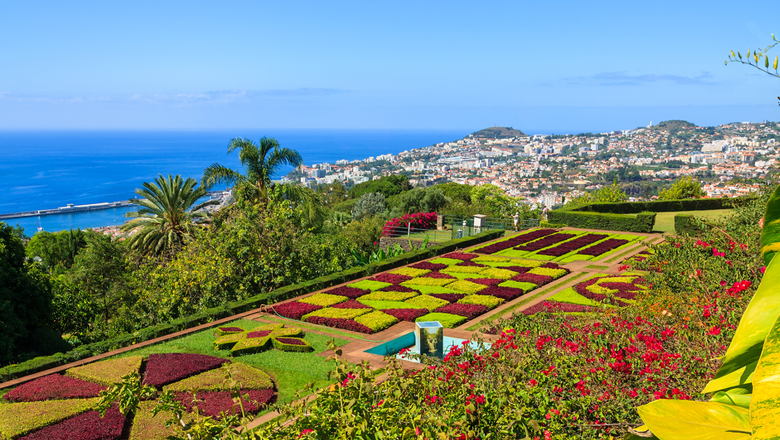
x: 67, y: 209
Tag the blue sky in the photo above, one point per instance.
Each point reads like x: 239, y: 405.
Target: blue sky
x: 538, y: 66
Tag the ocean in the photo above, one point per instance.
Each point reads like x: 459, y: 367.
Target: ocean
x: 49, y: 169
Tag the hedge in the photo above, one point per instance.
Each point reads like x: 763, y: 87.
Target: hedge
x: 43, y: 363
x: 684, y: 224
x: 642, y: 222
x: 662, y: 205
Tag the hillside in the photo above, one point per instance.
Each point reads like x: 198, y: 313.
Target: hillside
x: 497, y: 133
x: 673, y: 126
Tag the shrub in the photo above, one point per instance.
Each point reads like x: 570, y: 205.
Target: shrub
x: 323, y: 299
x: 295, y: 310
x: 515, y: 241
x: 107, y: 372
x: 222, y: 331
x: 557, y: 307
x: 376, y: 320
x: 429, y: 281
x: 420, y: 220
x: 569, y: 246
x: 292, y: 345
x: 247, y: 344
x: 503, y: 273
x: 554, y: 273
x: 466, y: 286
x: 439, y: 275
x: 214, y: 380
x: 427, y: 265
x: 460, y: 256
x: 86, y: 426
x: 505, y: 293
x: 406, y: 314
x: 487, y: 281
x: 642, y: 222
x: 369, y: 285
x: 381, y: 305
x: 162, y: 369
x: 445, y: 319
x: 545, y: 242
x: 445, y: 261
x: 387, y: 296
x: 463, y: 269
x: 539, y: 280
x: 53, y: 387
x: 488, y: 301
x: 368, y: 205
x: 351, y: 304
x: 426, y: 302
x: 409, y: 272
x: 346, y: 324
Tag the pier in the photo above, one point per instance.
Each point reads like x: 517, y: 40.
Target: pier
x: 68, y: 209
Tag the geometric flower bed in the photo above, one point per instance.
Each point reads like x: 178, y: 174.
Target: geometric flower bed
x: 588, y: 295
x: 261, y: 338
x: 61, y: 406
x: 451, y: 289
x: 563, y: 247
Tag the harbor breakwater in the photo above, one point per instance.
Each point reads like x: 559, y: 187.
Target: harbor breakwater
x: 68, y: 209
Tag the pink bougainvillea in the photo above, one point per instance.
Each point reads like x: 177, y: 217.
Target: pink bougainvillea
x: 53, y: 387
x: 162, y: 369
x: 420, y: 220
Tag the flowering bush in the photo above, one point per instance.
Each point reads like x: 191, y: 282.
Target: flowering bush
x: 162, y: 369
x: 53, y: 387
x: 420, y: 220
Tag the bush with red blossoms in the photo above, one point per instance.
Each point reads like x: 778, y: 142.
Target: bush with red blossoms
x: 296, y: 310
x: 53, y: 387
x: 162, y: 369
x: 420, y: 220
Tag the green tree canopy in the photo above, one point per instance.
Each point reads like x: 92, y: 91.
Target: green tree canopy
x: 493, y: 201
x: 685, y: 188
x: 57, y: 250
x: 168, y: 214
x: 388, y: 185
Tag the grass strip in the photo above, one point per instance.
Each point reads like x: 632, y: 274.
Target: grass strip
x: 617, y: 257
x: 503, y: 312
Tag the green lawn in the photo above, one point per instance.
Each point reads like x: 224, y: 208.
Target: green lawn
x: 664, y: 221
x: 291, y: 371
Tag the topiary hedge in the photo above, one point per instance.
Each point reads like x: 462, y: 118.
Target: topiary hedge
x: 642, y: 222
x: 47, y: 362
x: 684, y: 224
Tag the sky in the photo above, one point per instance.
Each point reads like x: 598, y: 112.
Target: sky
x: 549, y: 66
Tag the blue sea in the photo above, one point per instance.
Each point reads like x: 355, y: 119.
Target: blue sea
x: 49, y: 169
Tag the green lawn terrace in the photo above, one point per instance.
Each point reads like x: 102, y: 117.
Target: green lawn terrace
x: 61, y: 405
x: 561, y: 246
x: 451, y: 289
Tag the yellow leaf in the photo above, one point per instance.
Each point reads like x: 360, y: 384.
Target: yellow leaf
x: 775, y: 62
x: 690, y: 420
x: 764, y: 407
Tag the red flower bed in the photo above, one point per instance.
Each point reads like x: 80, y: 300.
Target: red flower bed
x: 349, y: 292
x: 213, y: 403
x: 582, y: 289
x: 604, y: 246
x: 569, y: 246
x: 395, y: 288
x: 550, y: 265
x: 460, y: 256
x: 518, y: 269
x: 544, y: 242
x: 428, y: 266
x: 291, y: 341
x: 515, y: 241
x: 162, y: 369
x: 438, y: 275
x: 260, y: 334
x: 420, y: 220
x: 86, y: 426
x: 346, y: 324
x: 487, y: 281
x: 507, y: 293
x: 53, y: 387
x: 470, y: 311
x: 624, y: 290
x: 391, y: 278
x: 449, y: 297
x: 557, y: 307
x: 231, y: 329
x: 406, y: 314
x: 539, y: 280
x: 350, y: 304
x: 295, y: 309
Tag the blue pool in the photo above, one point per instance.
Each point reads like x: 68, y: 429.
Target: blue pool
x: 392, y: 347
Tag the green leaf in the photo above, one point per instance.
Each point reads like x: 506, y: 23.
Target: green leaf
x: 737, y: 396
x: 689, y: 420
x: 765, y: 405
x: 745, y: 348
x: 770, y: 234
x: 741, y: 376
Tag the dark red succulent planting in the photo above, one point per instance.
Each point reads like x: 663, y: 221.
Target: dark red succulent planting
x: 86, y: 426
x: 165, y: 368
x: 438, y: 275
x: 449, y: 297
x: 396, y: 288
x: 539, y: 280
x: 214, y: 403
x: 291, y: 341
x: 545, y: 242
x: 506, y: 293
x: 624, y: 290
x: 470, y: 263
x: 231, y: 329
x: 342, y: 323
x: 428, y: 266
x: 53, y: 387
x: 518, y: 269
x: 604, y: 246
x: 582, y: 289
x: 392, y: 278
x: 573, y: 245
x: 487, y: 281
x: 295, y: 309
x: 515, y: 241
x: 351, y: 304
x: 406, y: 314
x: 460, y: 256
x: 469, y: 311
x: 258, y: 334
x: 550, y: 265
x: 557, y: 307
x: 349, y: 292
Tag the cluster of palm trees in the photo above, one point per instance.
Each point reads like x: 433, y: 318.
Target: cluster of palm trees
x: 169, y: 214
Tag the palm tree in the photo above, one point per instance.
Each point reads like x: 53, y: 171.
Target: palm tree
x: 167, y: 215
x: 261, y: 162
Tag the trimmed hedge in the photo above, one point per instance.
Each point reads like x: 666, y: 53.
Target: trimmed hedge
x: 642, y: 222
x: 283, y: 293
x: 684, y: 224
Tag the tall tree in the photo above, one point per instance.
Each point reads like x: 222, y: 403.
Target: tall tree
x: 261, y: 162
x: 167, y: 215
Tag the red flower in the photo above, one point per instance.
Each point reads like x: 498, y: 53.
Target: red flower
x: 305, y: 432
